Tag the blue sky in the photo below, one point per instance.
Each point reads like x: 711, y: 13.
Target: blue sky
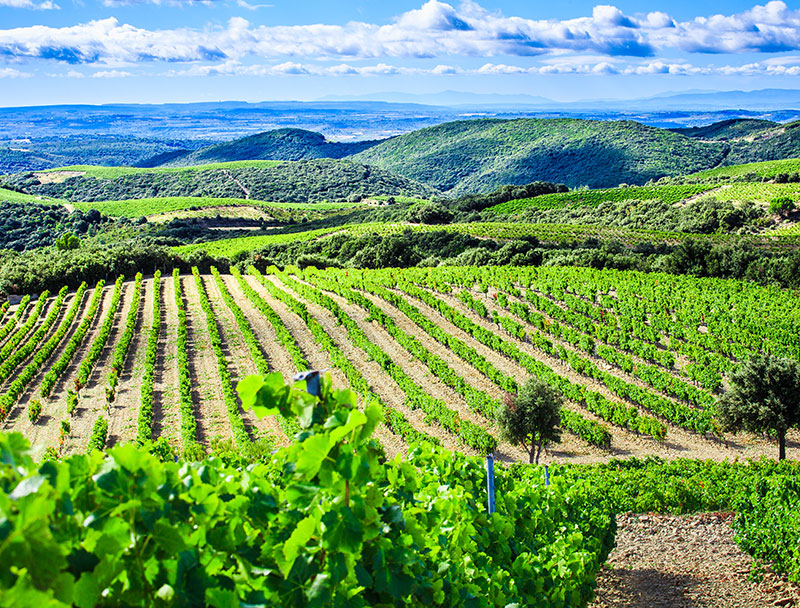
x: 154, y: 51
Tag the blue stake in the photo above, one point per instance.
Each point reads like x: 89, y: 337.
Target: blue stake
x: 490, y: 481
x: 546, y: 476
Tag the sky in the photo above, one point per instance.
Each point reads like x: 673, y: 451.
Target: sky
x: 160, y: 51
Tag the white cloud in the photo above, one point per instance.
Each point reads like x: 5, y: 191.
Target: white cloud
x: 12, y: 73
x: 436, y: 29
x: 46, y: 5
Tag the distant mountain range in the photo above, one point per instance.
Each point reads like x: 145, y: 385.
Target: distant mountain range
x: 761, y: 100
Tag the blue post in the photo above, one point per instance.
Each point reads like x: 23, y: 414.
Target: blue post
x: 490, y: 481
x: 546, y: 476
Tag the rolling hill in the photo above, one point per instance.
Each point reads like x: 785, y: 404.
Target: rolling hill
x: 295, y: 182
x: 480, y: 155
x: 280, y: 144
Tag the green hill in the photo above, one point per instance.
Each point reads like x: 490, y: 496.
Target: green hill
x: 294, y: 182
x: 480, y: 155
x: 280, y: 144
x: 770, y: 144
x: 728, y: 129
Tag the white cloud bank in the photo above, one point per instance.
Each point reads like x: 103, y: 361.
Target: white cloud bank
x: 437, y: 29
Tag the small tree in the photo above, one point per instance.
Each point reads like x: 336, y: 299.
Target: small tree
x: 764, y: 395
x: 530, y: 419
x: 781, y: 205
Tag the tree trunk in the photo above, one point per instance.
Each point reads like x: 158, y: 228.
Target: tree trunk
x: 782, y: 445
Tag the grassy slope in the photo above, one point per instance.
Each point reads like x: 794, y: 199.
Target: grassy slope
x: 280, y: 144
x: 151, y: 206
x: 115, y: 172
x: 584, y: 198
x: 761, y: 169
x: 11, y: 196
x: 480, y: 155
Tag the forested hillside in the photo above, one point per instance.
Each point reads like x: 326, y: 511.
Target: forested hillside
x: 480, y: 155
x: 303, y: 181
x: 280, y: 144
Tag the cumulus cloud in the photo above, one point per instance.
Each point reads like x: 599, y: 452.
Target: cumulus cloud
x: 436, y: 29
x: 46, y: 5
x: 12, y: 73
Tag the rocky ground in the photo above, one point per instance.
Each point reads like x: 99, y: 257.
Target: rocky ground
x: 666, y: 561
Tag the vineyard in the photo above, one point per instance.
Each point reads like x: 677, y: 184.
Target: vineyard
x: 590, y: 198
x: 547, y: 233
x: 640, y: 358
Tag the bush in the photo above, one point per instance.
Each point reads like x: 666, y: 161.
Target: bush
x: 781, y: 205
x: 34, y: 410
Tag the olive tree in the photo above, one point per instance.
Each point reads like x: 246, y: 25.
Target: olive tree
x: 530, y: 418
x: 763, y: 396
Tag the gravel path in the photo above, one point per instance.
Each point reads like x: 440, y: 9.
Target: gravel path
x: 666, y: 561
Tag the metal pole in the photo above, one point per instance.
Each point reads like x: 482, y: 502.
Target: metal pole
x: 490, y: 481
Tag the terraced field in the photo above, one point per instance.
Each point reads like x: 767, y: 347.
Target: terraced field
x: 639, y: 357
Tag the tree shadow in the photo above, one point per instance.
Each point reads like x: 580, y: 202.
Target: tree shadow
x: 644, y: 588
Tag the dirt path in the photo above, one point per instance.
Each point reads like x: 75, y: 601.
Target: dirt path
x: 665, y: 561
x: 210, y: 411
x: 125, y: 409
x: 166, y: 392
x: 240, y: 363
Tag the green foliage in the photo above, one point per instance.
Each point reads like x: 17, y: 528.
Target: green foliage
x: 97, y: 440
x: 781, y: 205
x: 60, y: 365
x: 191, y: 449
x: 531, y: 418
x: 144, y: 424
x: 34, y: 410
x: 668, y: 195
x: 326, y: 522
x: 278, y: 144
x: 764, y: 396
x: 135, y: 208
x: 430, y: 213
x: 67, y: 242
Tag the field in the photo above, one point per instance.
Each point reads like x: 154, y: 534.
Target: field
x: 12, y: 196
x: 437, y: 347
x: 592, y: 198
x: 761, y: 169
x: 156, y: 206
x: 548, y: 233
x: 100, y: 172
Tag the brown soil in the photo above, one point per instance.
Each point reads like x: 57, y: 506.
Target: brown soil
x: 210, y: 410
x: 124, y: 411
x: 56, y: 177
x: 665, y: 561
x: 166, y: 392
x: 240, y: 363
